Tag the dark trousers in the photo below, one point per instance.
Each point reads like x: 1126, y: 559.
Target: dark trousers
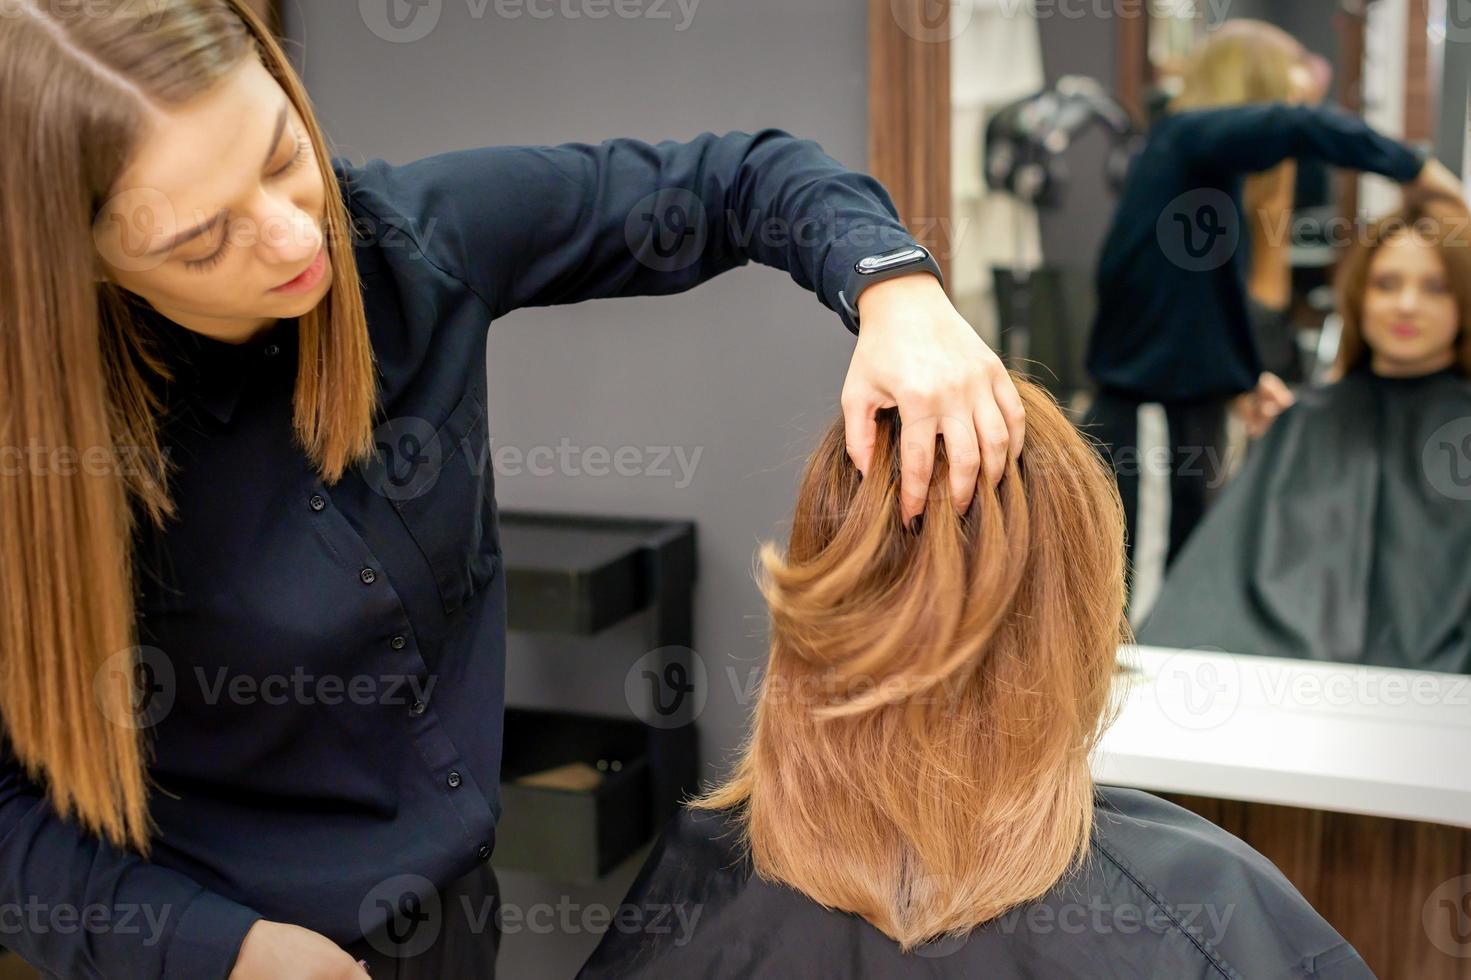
x: 458, y: 939
x: 1188, y: 460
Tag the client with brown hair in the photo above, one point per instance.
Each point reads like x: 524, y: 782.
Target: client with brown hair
x: 915, y: 797
x: 1344, y: 536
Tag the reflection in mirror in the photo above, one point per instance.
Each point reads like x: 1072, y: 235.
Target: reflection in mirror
x: 1170, y: 248
x: 1345, y: 535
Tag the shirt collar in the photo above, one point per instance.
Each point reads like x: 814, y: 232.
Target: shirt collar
x: 214, y: 373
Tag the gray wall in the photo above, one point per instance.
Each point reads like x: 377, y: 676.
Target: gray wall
x: 1079, y: 44
x: 745, y: 370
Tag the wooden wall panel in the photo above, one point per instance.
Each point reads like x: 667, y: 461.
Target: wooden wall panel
x: 1419, y: 121
x: 1370, y: 877
x: 1133, y: 74
x: 909, y: 115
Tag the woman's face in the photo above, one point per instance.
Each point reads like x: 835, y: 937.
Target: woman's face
x: 1411, y: 318
x: 218, y: 220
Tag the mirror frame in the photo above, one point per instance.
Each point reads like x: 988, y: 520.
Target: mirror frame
x: 909, y: 120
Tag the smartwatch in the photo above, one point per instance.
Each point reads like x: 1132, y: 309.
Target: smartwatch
x: 884, y: 265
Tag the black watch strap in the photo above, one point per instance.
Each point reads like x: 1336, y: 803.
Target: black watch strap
x: 884, y: 265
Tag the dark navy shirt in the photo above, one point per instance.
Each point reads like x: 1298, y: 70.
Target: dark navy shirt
x: 1171, y: 321
x: 324, y: 665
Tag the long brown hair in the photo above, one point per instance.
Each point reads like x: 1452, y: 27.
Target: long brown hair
x: 76, y: 82
x: 919, y: 753
x: 1438, y: 220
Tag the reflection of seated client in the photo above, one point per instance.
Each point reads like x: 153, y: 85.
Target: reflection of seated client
x: 915, y: 796
x: 1346, y: 534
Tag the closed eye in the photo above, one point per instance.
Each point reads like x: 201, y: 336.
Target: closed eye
x: 303, y: 145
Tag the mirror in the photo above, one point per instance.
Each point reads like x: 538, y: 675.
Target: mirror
x: 1196, y: 237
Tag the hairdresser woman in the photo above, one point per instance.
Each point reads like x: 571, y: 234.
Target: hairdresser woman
x: 236, y: 330
x: 1172, y: 346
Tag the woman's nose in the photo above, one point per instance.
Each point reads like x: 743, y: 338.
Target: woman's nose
x: 290, y: 237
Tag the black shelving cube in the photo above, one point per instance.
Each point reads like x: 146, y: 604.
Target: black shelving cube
x: 573, y: 835
x: 579, y: 575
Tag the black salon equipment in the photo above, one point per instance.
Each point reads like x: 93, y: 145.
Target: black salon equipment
x: 581, y: 792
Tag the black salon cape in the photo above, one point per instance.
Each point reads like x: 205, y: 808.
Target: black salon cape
x: 1346, y: 535
x: 1163, y: 893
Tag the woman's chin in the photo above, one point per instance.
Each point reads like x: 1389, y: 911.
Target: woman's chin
x: 1410, y: 359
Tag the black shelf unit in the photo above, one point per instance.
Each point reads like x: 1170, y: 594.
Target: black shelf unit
x: 575, y: 574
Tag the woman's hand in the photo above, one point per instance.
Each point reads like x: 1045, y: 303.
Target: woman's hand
x: 1260, y: 406
x: 916, y: 352
x: 1435, y: 176
x: 281, y: 951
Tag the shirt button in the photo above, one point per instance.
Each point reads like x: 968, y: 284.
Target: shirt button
x: 484, y: 852
x: 318, y: 502
x: 453, y: 780
x: 398, y: 642
x: 271, y: 350
x: 368, y: 576
x: 418, y: 708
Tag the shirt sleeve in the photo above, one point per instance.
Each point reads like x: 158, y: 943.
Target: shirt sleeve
x: 543, y: 225
x: 1249, y: 138
x: 73, y: 906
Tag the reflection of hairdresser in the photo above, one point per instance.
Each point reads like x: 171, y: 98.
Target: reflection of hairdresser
x: 1270, y: 201
x: 1345, y: 536
x: 918, y: 765
x: 1172, y: 343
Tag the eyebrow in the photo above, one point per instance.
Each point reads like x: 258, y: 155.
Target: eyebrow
x: 193, y: 233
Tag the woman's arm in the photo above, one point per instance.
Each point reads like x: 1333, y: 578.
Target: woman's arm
x: 1248, y: 138
x: 78, y: 908
x: 543, y: 225
x: 540, y: 225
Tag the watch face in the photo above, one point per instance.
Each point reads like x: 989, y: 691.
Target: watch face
x: 887, y: 260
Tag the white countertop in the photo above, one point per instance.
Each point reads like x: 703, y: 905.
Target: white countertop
x: 1371, y: 740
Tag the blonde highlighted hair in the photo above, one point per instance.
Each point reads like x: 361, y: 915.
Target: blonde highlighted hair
x: 77, y: 84
x: 919, y: 752
x: 1241, y: 61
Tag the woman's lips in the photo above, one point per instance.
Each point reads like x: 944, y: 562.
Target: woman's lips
x: 1404, y: 330
x: 308, y: 278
